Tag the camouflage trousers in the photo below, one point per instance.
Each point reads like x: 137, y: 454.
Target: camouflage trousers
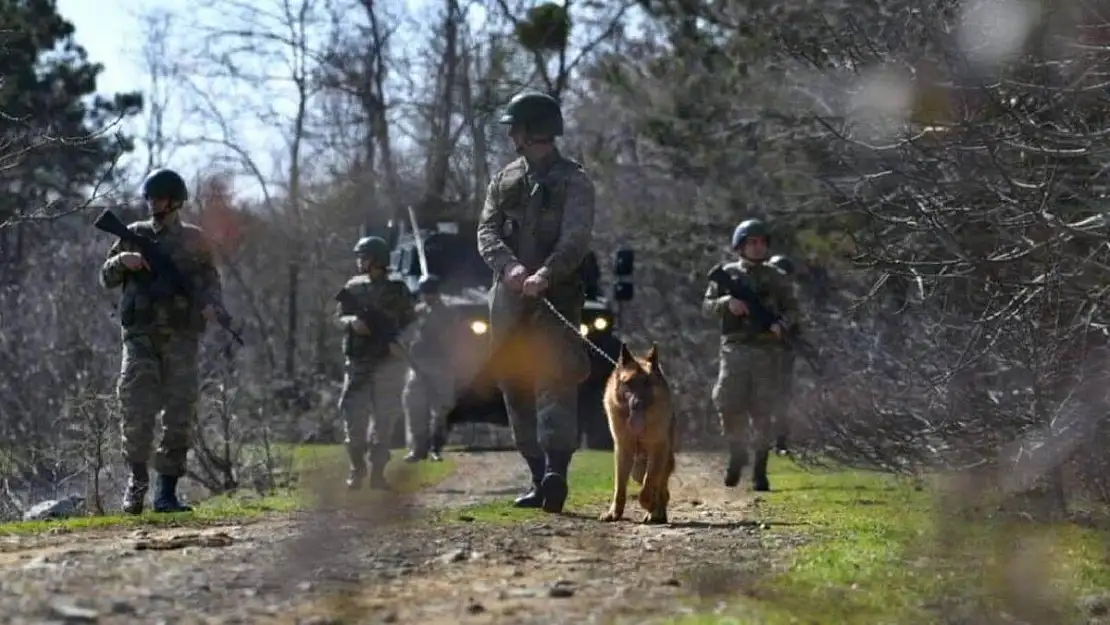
x: 370, y: 405
x: 426, y: 400
x: 750, y: 393
x: 158, y: 374
x: 541, y: 368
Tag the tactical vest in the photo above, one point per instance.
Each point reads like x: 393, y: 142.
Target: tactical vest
x: 150, y: 302
x: 759, y: 280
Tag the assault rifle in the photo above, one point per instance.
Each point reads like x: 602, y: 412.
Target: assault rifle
x: 384, y: 331
x: 762, y: 317
x: 164, y: 271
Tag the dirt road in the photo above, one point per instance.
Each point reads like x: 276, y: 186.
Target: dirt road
x: 380, y: 564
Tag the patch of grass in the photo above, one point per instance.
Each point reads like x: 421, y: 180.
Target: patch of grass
x: 310, y: 462
x: 879, y: 551
x: 591, y: 484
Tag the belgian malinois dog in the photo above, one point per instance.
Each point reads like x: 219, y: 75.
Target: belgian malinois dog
x: 638, y: 404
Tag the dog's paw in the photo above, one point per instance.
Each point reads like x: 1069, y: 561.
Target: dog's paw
x: 610, y: 515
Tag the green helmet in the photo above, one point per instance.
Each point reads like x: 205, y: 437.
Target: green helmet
x: 539, y: 114
x: 782, y: 263
x: 749, y: 228
x: 373, y: 248
x: 165, y: 183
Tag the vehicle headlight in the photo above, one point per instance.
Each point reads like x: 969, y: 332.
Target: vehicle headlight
x: 479, y: 327
x: 600, y: 324
x: 583, y: 329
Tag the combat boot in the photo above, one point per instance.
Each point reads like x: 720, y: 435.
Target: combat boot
x: 554, y: 488
x: 137, y: 485
x: 532, y: 498
x: 357, y: 472
x: 419, y: 452
x: 737, y: 459
x: 436, y: 453
x: 760, y: 483
x: 780, y: 445
x: 165, y: 496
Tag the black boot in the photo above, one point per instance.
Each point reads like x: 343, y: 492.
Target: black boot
x: 532, y: 498
x: 165, y: 496
x: 137, y: 485
x: 436, y: 453
x: 554, y: 487
x: 737, y: 459
x: 760, y: 483
x: 357, y: 472
x: 780, y: 445
x: 378, y: 461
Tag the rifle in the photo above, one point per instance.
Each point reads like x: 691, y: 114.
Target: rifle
x: 162, y: 268
x: 762, y: 316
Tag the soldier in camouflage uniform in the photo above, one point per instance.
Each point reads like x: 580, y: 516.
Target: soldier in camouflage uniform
x: 786, y: 267
x: 430, y: 390
x: 750, y: 387
x: 161, y: 339
x: 534, y: 232
x: 370, y: 402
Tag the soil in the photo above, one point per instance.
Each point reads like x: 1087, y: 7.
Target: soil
x: 385, y: 561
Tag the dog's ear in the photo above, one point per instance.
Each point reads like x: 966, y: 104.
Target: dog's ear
x: 625, y: 359
x: 653, y: 357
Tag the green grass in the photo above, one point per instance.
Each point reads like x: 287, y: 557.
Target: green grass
x: 873, y: 556
x: 313, y: 464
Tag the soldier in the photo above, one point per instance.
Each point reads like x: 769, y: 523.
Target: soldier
x: 534, y: 232
x: 161, y: 338
x: 430, y: 390
x: 786, y: 267
x: 750, y: 388
x: 370, y: 402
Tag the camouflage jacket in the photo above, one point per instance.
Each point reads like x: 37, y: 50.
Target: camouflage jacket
x: 775, y: 291
x: 539, y: 216
x: 145, y: 308
x: 391, y: 298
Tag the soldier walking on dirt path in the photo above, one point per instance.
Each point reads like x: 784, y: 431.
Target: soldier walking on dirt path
x: 374, y: 373
x: 161, y: 331
x: 534, y: 231
x: 750, y: 389
x: 430, y: 390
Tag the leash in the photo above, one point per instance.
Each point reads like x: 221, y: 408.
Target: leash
x: 566, y: 322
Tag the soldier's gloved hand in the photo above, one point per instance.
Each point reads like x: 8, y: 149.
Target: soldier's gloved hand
x: 133, y: 261
x: 359, y: 327
x: 535, y: 285
x: 737, y: 307
x: 514, y: 276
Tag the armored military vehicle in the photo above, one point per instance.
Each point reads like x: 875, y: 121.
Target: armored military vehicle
x: 451, y: 251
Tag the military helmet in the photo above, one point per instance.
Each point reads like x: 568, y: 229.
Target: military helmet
x: 749, y: 228
x: 373, y: 248
x: 165, y: 183
x: 428, y: 285
x: 538, y: 113
x: 782, y: 263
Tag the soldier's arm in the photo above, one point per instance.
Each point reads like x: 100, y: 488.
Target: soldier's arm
x: 491, y: 246
x: 577, y: 230
x: 113, y: 272
x: 714, y: 304
x: 343, y: 318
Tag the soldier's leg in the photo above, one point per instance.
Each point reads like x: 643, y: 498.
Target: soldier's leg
x: 767, y: 401
x: 387, y: 414
x: 139, y: 391
x: 520, y: 404
x: 354, y: 407
x: 443, y: 393
x: 731, y: 396
x: 415, y: 402
x: 557, y: 413
x: 180, y: 388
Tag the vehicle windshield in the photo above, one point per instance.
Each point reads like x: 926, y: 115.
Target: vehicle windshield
x: 455, y: 259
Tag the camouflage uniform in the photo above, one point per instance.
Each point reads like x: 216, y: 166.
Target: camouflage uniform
x: 540, y: 215
x: 751, y: 388
x: 161, y: 337
x: 430, y: 391
x: 374, y: 375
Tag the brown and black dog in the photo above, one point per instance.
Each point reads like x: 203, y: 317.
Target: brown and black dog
x: 638, y: 404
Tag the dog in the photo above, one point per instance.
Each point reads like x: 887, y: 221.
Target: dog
x: 638, y: 404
